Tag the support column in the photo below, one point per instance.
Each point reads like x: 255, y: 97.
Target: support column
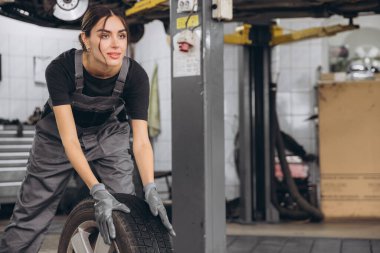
x: 198, y: 134
x: 260, y: 63
x: 246, y: 136
x: 255, y: 132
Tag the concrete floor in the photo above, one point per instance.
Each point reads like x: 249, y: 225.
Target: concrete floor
x: 257, y: 244
x: 343, y: 229
x: 291, y: 237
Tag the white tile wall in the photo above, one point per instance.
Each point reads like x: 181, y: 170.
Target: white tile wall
x: 4, y: 43
x: 301, y: 103
x: 50, y: 47
x: 17, y: 66
x: 230, y: 55
x: 4, y: 89
x: 284, y: 103
x: 5, y: 59
x: 231, y: 84
x: 4, y: 107
x: 284, y: 77
x: 231, y: 106
x: 300, y: 79
x: 285, y: 56
x: 231, y: 113
x: 231, y: 125
x: 300, y: 55
x: 286, y: 123
x: 165, y: 92
x: 18, y: 87
x: 166, y: 131
x: 301, y: 128
x: 19, y: 43
x: 17, y: 109
x: 148, y: 54
x: 30, y: 70
x: 34, y: 45
x: 297, y: 68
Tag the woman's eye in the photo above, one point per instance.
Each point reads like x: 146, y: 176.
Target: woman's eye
x: 104, y: 36
x: 123, y: 36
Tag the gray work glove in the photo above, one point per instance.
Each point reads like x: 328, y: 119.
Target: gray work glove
x: 105, y: 203
x: 156, y: 206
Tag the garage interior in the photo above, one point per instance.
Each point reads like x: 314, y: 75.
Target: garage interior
x: 292, y: 115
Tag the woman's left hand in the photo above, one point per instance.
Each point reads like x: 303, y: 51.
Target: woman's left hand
x: 157, y: 207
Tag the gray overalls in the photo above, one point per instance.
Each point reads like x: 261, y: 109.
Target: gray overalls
x: 48, y: 169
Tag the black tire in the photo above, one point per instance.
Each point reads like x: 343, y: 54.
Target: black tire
x: 136, y: 232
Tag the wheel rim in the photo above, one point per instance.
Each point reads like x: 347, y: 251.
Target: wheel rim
x: 87, y: 239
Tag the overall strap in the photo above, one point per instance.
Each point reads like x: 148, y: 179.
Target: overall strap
x: 50, y: 102
x: 78, y: 72
x: 120, y: 82
x: 117, y: 110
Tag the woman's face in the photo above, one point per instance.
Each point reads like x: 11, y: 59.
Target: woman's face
x: 112, y: 41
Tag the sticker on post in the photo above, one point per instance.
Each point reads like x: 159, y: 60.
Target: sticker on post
x: 187, y: 53
x: 187, y: 22
x: 187, y: 6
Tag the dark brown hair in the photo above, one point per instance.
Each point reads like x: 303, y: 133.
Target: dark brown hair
x: 92, y: 17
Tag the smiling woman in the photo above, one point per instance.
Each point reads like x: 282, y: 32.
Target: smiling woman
x: 107, y: 40
x: 96, y: 95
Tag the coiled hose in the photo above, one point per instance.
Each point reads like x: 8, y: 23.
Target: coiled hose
x: 308, y: 211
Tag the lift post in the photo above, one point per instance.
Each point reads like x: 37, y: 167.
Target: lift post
x: 198, y: 132
x: 255, y: 136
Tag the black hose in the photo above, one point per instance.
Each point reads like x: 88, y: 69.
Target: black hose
x: 284, y: 212
x: 314, y: 212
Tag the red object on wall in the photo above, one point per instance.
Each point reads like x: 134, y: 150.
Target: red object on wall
x: 184, y: 46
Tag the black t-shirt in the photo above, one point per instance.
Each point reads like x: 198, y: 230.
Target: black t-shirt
x: 60, y: 78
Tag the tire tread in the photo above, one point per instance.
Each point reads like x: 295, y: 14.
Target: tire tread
x: 142, y: 232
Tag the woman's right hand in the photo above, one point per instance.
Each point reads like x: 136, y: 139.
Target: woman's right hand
x: 105, y: 203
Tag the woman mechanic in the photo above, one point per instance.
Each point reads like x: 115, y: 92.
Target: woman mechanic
x: 91, y: 93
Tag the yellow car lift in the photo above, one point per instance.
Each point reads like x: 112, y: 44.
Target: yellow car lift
x: 314, y: 32
x: 146, y: 5
x: 241, y: 36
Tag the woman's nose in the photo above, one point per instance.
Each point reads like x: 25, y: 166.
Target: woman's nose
x: 114, y: 41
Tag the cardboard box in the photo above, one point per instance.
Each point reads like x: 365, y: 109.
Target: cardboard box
x: 349, y: 132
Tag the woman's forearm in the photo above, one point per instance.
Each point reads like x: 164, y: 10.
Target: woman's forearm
x: 144, y: 159
x: 78, y: 160
x: 67, y: 131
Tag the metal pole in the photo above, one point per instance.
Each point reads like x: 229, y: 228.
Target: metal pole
x: 260, y: 62
x: 246, y: 137
x: 254, y: 129
x: 198, y: 135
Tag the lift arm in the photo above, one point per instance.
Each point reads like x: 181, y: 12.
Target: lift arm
x: 147, y: 5
x: 314, y: 32
x: 241, y: 36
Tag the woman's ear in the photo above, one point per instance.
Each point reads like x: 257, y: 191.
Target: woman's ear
x: 84, y: 39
